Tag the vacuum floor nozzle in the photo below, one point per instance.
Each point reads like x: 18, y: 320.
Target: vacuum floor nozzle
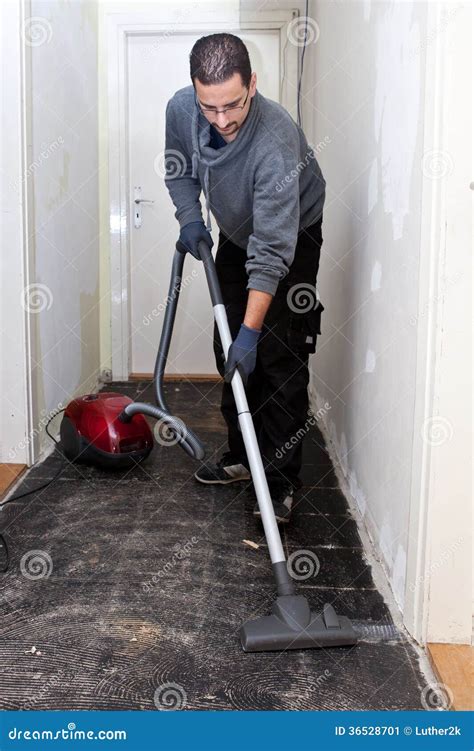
x: 292, y: 625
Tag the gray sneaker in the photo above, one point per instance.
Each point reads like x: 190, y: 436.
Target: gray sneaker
x: 282, y: 500
x: 228, y: 469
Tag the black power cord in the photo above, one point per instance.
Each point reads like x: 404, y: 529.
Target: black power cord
x: 300, y: 77
x: 4, y: 554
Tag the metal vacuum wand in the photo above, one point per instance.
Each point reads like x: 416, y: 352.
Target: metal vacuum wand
x: 292, y: 624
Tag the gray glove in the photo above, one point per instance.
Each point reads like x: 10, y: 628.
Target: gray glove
x: 242, y: 354
x: 190, y: 237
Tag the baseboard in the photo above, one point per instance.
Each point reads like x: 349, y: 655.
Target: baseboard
x: 214, y: 378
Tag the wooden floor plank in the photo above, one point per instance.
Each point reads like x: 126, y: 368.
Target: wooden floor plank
x: 453, y: 665
x: 9, y: 474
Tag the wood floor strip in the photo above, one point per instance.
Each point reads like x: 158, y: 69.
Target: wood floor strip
x: 9, y: 474
x: 453, y: 665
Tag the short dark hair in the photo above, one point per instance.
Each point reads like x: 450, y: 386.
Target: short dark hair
x: 215, y: 59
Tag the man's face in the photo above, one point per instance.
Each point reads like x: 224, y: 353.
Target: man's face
x: 218, y: 97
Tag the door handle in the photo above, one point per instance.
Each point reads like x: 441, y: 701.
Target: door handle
x: 137, y: 211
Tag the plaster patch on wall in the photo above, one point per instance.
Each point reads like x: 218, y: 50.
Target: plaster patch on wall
x: 357, y: 493
x: 342, y: 452
x: 340, y: 447
x: 64, y: 178
x: 370, y: 360
x: 376, y: 277
x: 398, y: 576
x: 339, y: 453
x: 361, y: 500
x: 394, y: 566
x: 352, y: 483
x: 373, y: 191
x: 331, y: 426
x: 396, y: 106
x: 386, y: 542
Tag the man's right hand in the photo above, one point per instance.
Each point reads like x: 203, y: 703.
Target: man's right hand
x: 191, y: 235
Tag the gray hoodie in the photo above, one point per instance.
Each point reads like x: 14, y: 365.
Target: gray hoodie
x: 263, y: 187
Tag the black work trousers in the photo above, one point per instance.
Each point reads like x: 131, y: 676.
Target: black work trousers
x: 277, y: 390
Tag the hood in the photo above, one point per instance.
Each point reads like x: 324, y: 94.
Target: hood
x: 209, y: 157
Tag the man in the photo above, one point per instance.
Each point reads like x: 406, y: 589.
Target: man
x: 266, y: 191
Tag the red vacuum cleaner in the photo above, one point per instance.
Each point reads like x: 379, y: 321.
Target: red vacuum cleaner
x: 108, y: 429
x: 91, y: 432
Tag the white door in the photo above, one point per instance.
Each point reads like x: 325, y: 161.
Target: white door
x: 158, y: 65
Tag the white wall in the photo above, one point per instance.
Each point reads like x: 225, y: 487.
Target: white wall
x: 364, y: 102
x: 365, y: 98
x: 66, y: 221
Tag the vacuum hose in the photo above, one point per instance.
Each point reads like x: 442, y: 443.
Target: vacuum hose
x: 184, y: 435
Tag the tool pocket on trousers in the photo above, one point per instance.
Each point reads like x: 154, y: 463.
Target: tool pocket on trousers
x: 303, y: 330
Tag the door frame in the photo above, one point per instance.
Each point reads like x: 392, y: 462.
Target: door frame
x: 425, y: 528
x: 118, y: 27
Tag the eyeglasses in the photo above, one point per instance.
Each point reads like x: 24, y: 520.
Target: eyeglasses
x: 214, y: 111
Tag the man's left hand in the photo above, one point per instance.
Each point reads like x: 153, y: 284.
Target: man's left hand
x: 242, y: 354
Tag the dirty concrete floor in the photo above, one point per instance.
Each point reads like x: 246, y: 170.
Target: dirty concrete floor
x: 147, y: 581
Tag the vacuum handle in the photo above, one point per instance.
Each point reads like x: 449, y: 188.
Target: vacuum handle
x: 245, y: 418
